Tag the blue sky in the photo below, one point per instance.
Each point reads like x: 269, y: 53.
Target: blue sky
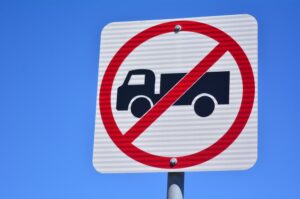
x: 49, y: 54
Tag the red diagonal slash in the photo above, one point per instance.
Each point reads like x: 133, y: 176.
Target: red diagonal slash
x: 175, y: 93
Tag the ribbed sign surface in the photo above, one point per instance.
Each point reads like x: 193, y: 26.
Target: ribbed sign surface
x: 177, y: 95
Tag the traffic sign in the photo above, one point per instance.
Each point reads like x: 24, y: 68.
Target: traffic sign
x: 177, y: 95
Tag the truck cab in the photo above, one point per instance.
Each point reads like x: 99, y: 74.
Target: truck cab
x: 138, y: 84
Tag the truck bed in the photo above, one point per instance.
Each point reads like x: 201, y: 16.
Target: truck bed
x: 213, y: 83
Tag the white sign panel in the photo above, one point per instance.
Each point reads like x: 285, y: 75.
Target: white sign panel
x: 177, y: 95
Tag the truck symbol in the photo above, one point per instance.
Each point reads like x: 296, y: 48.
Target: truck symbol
x: 139, y: 96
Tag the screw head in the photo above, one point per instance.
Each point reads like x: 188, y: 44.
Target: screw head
x: 173, y: 162
x: 177, y: 28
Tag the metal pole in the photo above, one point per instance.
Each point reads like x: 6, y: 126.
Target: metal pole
x: 175, y: 185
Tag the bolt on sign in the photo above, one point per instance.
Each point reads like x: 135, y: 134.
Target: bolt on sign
x: 177, y: 95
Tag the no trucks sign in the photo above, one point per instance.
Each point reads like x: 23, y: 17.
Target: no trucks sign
x: 177, y: 95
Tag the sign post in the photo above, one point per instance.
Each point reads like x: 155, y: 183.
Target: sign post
x: 175, y: 185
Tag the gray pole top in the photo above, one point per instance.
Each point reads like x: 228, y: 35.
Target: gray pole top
x: 175, y: 185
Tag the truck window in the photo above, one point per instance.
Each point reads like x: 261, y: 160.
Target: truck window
x: 137, y: 80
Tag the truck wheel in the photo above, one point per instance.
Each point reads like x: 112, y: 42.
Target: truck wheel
x: 140, y: 106
x: 204, y: 106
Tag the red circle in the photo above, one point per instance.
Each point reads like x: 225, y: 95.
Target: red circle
x: 199, y: 157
